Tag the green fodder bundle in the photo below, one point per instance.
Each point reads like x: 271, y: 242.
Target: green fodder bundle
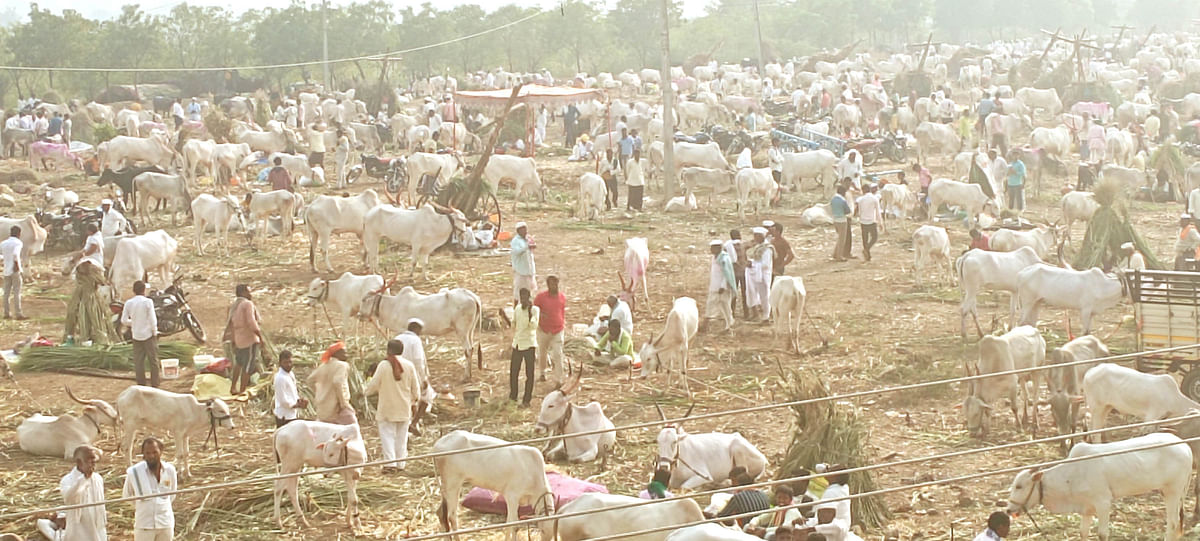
x: 833, y: 434
x: 1108, y: 229
x: 116, y: 357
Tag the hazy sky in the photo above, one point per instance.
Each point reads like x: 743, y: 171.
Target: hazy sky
x: 106, y: 8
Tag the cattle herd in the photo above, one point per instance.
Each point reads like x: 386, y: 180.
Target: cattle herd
x: 1156, y: 105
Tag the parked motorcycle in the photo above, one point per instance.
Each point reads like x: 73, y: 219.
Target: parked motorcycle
x: 69, y: 229
x: 391, y: 170
x: 172, y: 310
x: 889, y: 146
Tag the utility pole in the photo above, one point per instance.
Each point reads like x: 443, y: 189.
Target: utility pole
x: 762, y: 55
x: 668, y: 100
x: 325, y: 46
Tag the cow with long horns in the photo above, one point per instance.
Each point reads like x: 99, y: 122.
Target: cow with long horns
x: 560, y: 417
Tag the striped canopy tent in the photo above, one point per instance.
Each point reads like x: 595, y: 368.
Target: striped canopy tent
x: 531, y: 96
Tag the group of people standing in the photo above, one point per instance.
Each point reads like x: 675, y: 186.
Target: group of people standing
x: 746, y: 271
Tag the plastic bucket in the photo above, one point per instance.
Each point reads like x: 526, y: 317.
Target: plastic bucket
x: 170, y: 368
x: 471, y: 397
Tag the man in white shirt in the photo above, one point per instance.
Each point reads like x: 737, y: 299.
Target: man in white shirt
x: 10, y: 250
x: 288, y: 401
x: 177, y: 113
x: 851, y: 167
x: 93, y: 248
x: 635, y: 180
x: 620, y: 312
x: 82, y: 485
x: 13, y: 122
x: 1193, y: 202
x: 138, y: 314
x: 414, y: 352
x: 775, y: 160
x: 869, y: 216
x: 1132, y: 259
x: 395, y: 381
x: 112, y: 223
x: 998, y: 170
x: 41, y: 125
x: 153, y: 517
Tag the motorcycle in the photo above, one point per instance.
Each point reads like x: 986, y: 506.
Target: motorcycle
x: 391, y: 170
x: 889, y: 146
x: 172, y: 310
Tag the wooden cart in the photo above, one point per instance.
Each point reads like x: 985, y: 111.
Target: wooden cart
x: 1167, y: 310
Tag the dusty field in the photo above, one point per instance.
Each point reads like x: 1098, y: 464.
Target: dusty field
x: 882, y: 330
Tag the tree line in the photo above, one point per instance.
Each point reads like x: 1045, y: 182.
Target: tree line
x: 576, y: 35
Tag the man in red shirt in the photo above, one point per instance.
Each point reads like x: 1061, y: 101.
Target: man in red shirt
x: 979, y: 240
x: 553, y: 306
x: 279, y: 177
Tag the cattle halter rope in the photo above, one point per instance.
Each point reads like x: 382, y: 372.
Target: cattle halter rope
x: 213, y: 421
x: 1025, y: 505
x: 320, y: 299
x: 680, y: 460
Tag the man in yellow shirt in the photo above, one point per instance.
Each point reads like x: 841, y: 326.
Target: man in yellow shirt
x: 395, y: 381
x: 524, y: 346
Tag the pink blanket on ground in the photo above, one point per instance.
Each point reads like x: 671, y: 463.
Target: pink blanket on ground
x: 565, y: 490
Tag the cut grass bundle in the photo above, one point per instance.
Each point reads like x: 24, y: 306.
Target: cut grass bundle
x: 116, y: 357
x: 1108, y: 229
x: 831, y: 434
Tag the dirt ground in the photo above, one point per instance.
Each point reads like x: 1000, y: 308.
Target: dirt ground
x: 882, y: 330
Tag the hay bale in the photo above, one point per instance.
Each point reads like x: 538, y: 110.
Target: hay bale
x: 7, y: 200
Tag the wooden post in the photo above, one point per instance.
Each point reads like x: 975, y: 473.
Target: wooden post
x: 762, y: 54
x: 467, y: 200
x: 668, y: 98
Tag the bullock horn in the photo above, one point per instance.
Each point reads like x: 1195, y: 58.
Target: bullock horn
x: 621, y: 277
x: 75, y: 398
x: 660, y: 411
x: 689, y: 411
x: 573, y: 385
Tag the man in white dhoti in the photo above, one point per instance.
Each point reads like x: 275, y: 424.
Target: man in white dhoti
x: 82, y: 485
x: 721, y: 285
x: 758, y: 276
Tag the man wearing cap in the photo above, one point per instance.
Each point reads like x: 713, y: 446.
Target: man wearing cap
x: 1187, y: 246
x: 758, y: 276
x: 395, y: 381
x: 522, y: 261
x: 721, y: 285
x: 112, y: 223
x: 1132, y: 258
x: 552, y: 320
x: 737, y: 255
x: 414, y: 352
x: 781, y: 247
x: 331, y: 387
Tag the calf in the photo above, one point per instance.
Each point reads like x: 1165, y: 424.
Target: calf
x: 1022, y: 347
x: 182, y: 415
x: 303, y: 443
x: 682, y: 322
x: 170, y: 188
x: 755, y: 182
x: 55, y: 198
x: 787, y: 307
x: 980, y: 269
x: 220, y: 213
x: 931, y: 244
x: 592, y: 192
x: 260, y: 206
x: 696, y: 460
x: 197, y: 155
x: 598, y: 523
x: 1091, y: 486
x: 517, y: 473
x: 1150, y: 397
x: 123, y: 179
x: 136, y: 256
x: 1076, y: 207
x: 1065, y: 382
x: 816, y: 215
x: 681, y: 203
x: 561, y: 417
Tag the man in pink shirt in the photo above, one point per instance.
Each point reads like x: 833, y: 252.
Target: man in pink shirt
x: 244, y: 333
x: 553, y: 307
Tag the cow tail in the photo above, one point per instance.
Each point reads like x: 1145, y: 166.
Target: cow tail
x: 308, y: 231
x: 958, y: 266
x: 477, y: 331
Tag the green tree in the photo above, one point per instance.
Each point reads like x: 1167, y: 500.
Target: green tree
x: 637, y: 30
